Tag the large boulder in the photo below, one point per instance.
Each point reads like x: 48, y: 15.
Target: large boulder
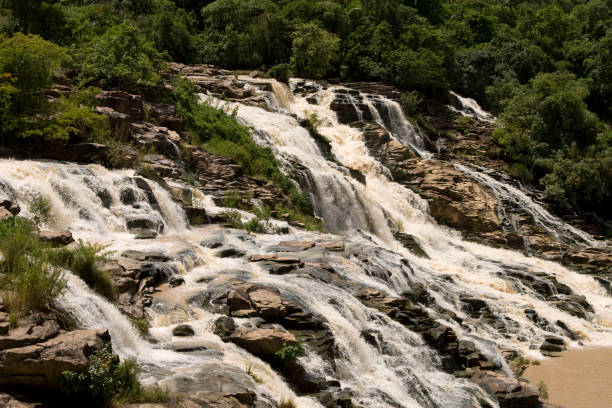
x: 40, y: 365
x: 58, y: 238
x: 264, y: 343
x: 162, y: 139
x: 120, y: 122
x: 7, y: 401
x: 123, y: 102
x: 510, y: 392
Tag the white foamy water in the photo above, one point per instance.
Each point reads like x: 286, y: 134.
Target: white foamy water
x: 403, y: 371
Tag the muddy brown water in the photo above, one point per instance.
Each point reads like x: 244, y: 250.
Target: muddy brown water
x: 579, y: 378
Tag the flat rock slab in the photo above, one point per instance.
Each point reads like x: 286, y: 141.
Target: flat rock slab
x: 276, y: 258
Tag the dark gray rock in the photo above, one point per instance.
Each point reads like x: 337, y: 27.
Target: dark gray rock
x: 183, y: 330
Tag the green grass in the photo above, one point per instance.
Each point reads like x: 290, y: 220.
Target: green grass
x: 543, y: 390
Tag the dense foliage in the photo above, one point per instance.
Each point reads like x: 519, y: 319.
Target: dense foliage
x: 543, y: 67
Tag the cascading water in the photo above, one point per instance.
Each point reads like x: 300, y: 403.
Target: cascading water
x: 401, y: 371
x: 512, y: 196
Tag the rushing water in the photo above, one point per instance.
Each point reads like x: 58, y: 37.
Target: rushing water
x: 512, y: 196
x: 90, y: 200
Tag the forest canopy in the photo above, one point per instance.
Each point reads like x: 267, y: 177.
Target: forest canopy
x: 543, y: 67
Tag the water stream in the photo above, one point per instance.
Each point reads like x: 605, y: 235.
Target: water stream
x: 90, y: 201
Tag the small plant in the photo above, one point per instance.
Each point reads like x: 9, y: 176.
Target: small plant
x: 30, y: 284
x: 234, y: 219
x: 287, y: 403
x: 107, y: 380
x: 250, y: 372
x: 40, y: 208
x: 231, y: 199
x: 290, y: 354
x: 192, y: 179
x: 253, y: 225
x: 280, y: 72
x: 543, y: 390
x: 142, y: 326
x: 408, y: 305
x: 519, y: 364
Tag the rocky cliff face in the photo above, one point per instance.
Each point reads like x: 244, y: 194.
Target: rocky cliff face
x: 296, y: 303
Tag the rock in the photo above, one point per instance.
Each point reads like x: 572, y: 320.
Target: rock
x: 292, y: 246
x: 553, y: 344
x: 123, y: 102
x: 268, y: 304
x: 159, y: 271
x: 120, y: 122
x: 144, y: 233
x: 39, y: 365
x: 142, y: 222
x: 264, y: 343
x: 410, y: 243
x: 28, y: 333
x: 230, y: 253
x: 7, y: 401
x: 276, y: 258
x: 196, y: 215
x: 223, y: 380
x: 183, y: 330
x: 510, y: 393
x: 165, y: 115
x: 350, y: 107
x: 5, y: 214
x: 332, y: 246
x: 58, y: 238
x: 152, y: 256
x: 158, y: 138
x: 176, y: 280
x: 7, y: 198
x: 224, y: 326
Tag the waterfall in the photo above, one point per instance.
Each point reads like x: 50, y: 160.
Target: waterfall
x: 468, y: 107
x: 509, y: 195
x: 401, y: 371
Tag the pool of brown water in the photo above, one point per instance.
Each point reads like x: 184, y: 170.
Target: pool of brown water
x: 580, y: 378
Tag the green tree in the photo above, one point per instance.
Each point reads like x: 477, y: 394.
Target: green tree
x: 120, y: 57
x: 314, y: 51
x: 170, y: 29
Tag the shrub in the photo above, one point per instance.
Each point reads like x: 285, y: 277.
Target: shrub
x: 27, y: 282
x: 280, y: 72
x: 290, y: 354
x: 40, y: 209
x: 411, y: 102
x: 31, y: 285
x: 31, y: 60
x: 17, y: 239
x: 108, y: 379
x: 82, y: 261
